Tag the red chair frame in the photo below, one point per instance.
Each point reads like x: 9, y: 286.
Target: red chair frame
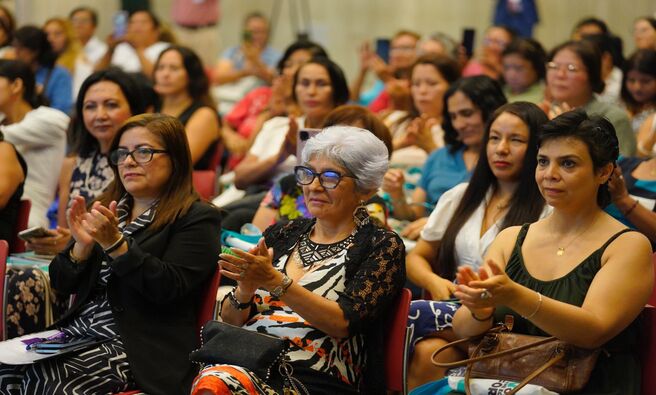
x: 4, y: 252
x: 17, y: 244
x: 204, y: 183
x: 396, y: 343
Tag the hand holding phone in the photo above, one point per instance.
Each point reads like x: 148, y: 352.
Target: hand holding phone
x: 383, y: 48
x: 120, y: 22
x: 36, y: 232
x: 303, y: 136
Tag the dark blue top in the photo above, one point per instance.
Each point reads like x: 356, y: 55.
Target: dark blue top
x: 442, y: 171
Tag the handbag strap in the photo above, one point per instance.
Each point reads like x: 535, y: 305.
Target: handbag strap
x: 553, y: 360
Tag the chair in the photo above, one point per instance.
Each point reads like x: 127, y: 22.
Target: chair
x: 396, y: 343
x: 648, y: 350
x: 216, y: 158
x: 652, y: 298
x: 204, y: 183
x: 4, y: 251
x: 16, y: 244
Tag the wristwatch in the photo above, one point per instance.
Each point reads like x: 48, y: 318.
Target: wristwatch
x: 234, y: 302
x: 281, y: 289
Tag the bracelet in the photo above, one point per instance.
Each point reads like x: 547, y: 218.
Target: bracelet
x: 537, y: 308
x: 72, y: 256
x: 234, y: 302
x: 482, y: 319
x: 115, y: 246
x: 633, y: 206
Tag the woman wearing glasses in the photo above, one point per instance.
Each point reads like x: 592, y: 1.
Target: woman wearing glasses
x: 141, y: 255
x: 326, y: 282
x: 573, y: 78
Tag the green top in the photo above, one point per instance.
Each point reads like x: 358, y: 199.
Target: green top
x: 534, y: 94
x: 617, y: 372
x: 620, y: 121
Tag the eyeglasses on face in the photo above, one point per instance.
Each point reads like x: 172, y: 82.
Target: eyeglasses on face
x: 328, y: 179
x: 569, y: 67
x: 140, y: 155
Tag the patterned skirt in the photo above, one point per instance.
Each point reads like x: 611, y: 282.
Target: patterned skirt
x: 427, y: 317
x: 230, y: 379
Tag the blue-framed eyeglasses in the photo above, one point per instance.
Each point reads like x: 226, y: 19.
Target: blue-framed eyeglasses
x: 328, y: 179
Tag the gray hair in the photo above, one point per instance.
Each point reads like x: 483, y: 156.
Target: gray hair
x: 450, y: 45
x: 358, y: 150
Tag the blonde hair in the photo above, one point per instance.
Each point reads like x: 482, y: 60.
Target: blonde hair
x: 73, y: 46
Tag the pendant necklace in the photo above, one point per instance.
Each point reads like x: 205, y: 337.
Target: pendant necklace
x: 561, y: 250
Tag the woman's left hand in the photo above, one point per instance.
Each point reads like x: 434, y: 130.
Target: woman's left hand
x: 101, y: 223
x: 617, y: 186
x: 251, y: 269
x: 490, y: 287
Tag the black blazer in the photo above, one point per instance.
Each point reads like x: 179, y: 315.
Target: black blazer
x: 154, y: 292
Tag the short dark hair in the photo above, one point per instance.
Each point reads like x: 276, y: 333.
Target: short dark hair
x: 351, y: 114
x: 83, y: 142
x: 153, y: 17
x: 650, y: 19
x: 15, y: 69
x: 36, y: 40
x: 592, y: 21
x: 445, y: 65
x: 590, y: 57
x: 91, y: 11
x: 313, y: 48
x: 406, y: 32
x: 642, y: 61
x: 483, y: 91
x: 532, y: 51
x: 198, y: 85
x: 526, y: 203
x: 596, y: 132
x: 337, y: 79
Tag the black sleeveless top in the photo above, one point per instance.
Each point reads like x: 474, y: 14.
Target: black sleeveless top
x: 204, y: 161
x: 615, y: 373
x: 9, y: 214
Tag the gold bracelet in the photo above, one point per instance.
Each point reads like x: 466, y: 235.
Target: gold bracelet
x: 483, y: 319
x: 537, y: 308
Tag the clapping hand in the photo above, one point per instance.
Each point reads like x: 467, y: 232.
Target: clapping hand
x: 98, y: 225
x: 487, y: 288
x: 251, y: 269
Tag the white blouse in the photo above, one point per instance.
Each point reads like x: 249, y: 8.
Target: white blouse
x: 470, y: 246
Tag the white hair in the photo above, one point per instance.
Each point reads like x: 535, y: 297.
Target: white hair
x: 356, y: 149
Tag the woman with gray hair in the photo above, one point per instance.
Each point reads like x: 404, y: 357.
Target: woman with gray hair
x: 326, y: 282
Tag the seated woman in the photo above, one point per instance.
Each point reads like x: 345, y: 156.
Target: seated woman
x: 573, y: 78
x: 183, y: 90
x: 55, y: 82
x: 468, y: 105
x: 329, y: 281
x: 639, y: 90
x: 69, y: 51
x: 141, y: 255
x: 246, y: 118
x: 501, y: 193
x: 488, y: 61
x: 38, y: 133
x: 524, y: 71
x: 284, y: 201
x: 12, y: 177
x: 107, y: 98
x: 418, y: 132
x: 554, y: 276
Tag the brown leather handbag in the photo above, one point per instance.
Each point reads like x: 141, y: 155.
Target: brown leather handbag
x: 546, y: 361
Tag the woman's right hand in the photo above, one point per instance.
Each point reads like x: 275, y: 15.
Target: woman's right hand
x: 441, y: 289
x: 50, y: 245
x: 288, y: 146
x: 413, y: 230
x: 393, y: 183
x: 75, y: 216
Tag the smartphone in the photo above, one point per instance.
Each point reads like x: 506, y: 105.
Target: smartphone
x: 468, y: 36
x: 34, y: 233
x: 383, y: 48
x: 302, y: 137
x: 120, y: 22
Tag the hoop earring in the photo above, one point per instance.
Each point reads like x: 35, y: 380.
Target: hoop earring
x: 361, y: 215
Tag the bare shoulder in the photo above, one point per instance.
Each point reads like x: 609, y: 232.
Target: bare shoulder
x: 630, y: 246
x: 508, y: 235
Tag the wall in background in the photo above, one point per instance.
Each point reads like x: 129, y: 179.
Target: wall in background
x: 341, y: 25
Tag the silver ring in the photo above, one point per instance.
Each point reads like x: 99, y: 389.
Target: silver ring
x: 485, y: 295
x: 242, y: 274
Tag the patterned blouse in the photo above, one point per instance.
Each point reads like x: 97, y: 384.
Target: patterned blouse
x: 363, y: 279
x: 91, y: 176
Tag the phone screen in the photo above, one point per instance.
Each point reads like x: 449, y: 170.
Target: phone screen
x: 383, y: 48
x: 120, y: 22
x: 303, y: 136
x: 468, y: 36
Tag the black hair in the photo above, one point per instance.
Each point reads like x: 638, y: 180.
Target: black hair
x: 590, y: 57
x: 15, y: 69
x: 532, y: 51
x: 649, y: 19
x: 484, y: 92
x: 596, y: 132
x: 198, y: 86
x: 153, y: 17
x: 36, y: 40
x: 91, y: 11
x: 642, y: 61
x: 9, y: 33
x: 525, y: 205
x: 313, y: 48
x: 592, y: 21
x: 337, y: 79
x: 83, y: 142
x: 509, y: 30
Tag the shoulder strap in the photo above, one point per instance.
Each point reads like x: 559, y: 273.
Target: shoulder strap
x: 612, y: 238
x: 522, y: 234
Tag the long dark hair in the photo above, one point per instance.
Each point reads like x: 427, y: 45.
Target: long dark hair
x: 337, y: 79
x: 198, y: 86
x: 642, y: 61
x: 526, y: 204
x: 15, y: 69
x: 178, y: 194
x: 483, y: 91
x: 36, y: 40
x: 83, y: 142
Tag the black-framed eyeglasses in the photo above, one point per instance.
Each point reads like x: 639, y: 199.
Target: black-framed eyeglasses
x: 140, y: 155
x: 328, y: 179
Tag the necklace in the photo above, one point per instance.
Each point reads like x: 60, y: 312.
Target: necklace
x: 561, y: 250
x: 310, y: 253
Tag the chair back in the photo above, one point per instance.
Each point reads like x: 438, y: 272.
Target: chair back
x: 652, y: 298
x: 4, y: 252
x: 396, y: 343
x: 216, y: 157
x: 648, y: 350
x: 208, y: 303
x: 17, y: 244
x: 204, y: 183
